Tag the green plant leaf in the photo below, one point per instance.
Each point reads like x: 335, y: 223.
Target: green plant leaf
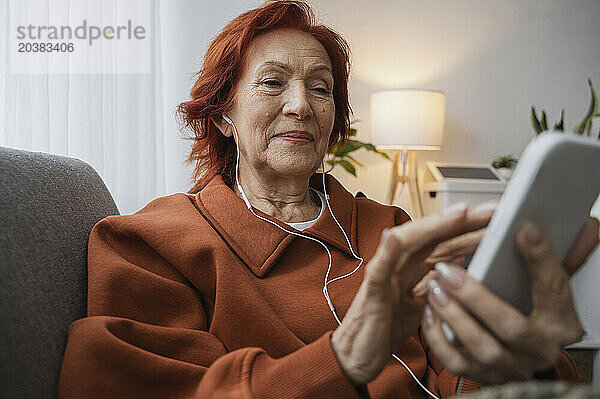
x: 559, y: 125
x: 371, y: 147
x: 353, y: 145
x: 588, y: 127
x: 580, y: 128
x: 340, y: 150
x: 354, y: 160
x: 334, y: 149
x: 348, y: 166
x: 534, y: 121
x: 544, y: 121
x: 383, y: 154
x: 349, y: 146
x: 506, y: 161
x: 344, y: 163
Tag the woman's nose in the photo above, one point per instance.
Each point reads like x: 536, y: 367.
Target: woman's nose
x: 298, y: 104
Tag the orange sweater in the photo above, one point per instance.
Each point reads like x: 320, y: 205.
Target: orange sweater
x: 194, y: 297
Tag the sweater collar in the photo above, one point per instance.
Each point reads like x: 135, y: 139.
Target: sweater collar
x: 258, y: 243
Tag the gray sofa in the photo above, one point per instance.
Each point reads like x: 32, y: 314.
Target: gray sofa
x: 48, y: 206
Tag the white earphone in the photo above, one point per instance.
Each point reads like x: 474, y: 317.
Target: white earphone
x: 228, y: 120
x: 327, y: 281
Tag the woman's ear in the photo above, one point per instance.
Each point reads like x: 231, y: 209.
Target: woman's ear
x: 221, y: 124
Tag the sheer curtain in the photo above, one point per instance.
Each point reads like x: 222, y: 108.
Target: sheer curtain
x: 114, y: 108
x: 94, y: 109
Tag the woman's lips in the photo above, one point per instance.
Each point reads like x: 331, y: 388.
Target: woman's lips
x: 296, y: 136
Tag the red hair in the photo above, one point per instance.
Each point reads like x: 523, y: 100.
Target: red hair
x: 213, y: 92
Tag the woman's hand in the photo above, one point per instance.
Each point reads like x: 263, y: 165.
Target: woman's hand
x: 456, y: 249
x: 386, y: 311
x: 511, y: 346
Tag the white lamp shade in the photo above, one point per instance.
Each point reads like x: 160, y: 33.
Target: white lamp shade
x: 407, y: 119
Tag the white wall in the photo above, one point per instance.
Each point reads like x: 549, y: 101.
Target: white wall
x: 493, y: 59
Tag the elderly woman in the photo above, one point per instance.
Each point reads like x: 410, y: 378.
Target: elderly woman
x: 269, y: 280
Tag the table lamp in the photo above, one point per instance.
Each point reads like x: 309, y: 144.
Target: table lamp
x: 406, y: 120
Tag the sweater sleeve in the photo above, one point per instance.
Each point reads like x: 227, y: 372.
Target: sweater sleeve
x: 146, y: 335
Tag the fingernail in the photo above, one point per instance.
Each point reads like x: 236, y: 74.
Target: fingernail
x: 532, y: 233
x: 486, y: 206
x: 455, y: 208
x: 420, y: 289
x: 453, y: 277
x: 437, y: 294
x: 428, y: 316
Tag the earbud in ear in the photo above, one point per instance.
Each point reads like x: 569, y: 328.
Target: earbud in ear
x: 231, y: 123
x: 227, y: 119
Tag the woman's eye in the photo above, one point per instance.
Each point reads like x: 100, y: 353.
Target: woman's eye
x: 272, y: 82
x: 322, y: 90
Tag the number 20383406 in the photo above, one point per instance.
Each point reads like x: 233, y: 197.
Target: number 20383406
x: 46, y: 47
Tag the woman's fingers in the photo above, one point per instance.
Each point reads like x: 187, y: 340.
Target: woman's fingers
x: 399, y: 243
x: 502, y: 320
x: 465, y: 244
x: 483, y: 359
x: 378, y: 269
x: 479, y: 343
x: 455, y: 361
x: 420, y: 289
x: 416, y: 239
x: 582, y: 247
x: 551, y: 291
x: 523, y: 336
x: 547, y: 274
x: 433, y: 230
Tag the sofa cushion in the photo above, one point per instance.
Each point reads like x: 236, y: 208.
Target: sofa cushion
x: 48, y: 206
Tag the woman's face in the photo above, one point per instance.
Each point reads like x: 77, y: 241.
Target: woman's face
x: 283, y: 105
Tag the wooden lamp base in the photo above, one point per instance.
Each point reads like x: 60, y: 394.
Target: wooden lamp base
x: 410, y: 178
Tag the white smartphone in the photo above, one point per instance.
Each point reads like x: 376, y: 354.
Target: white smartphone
x: 555, y: 185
